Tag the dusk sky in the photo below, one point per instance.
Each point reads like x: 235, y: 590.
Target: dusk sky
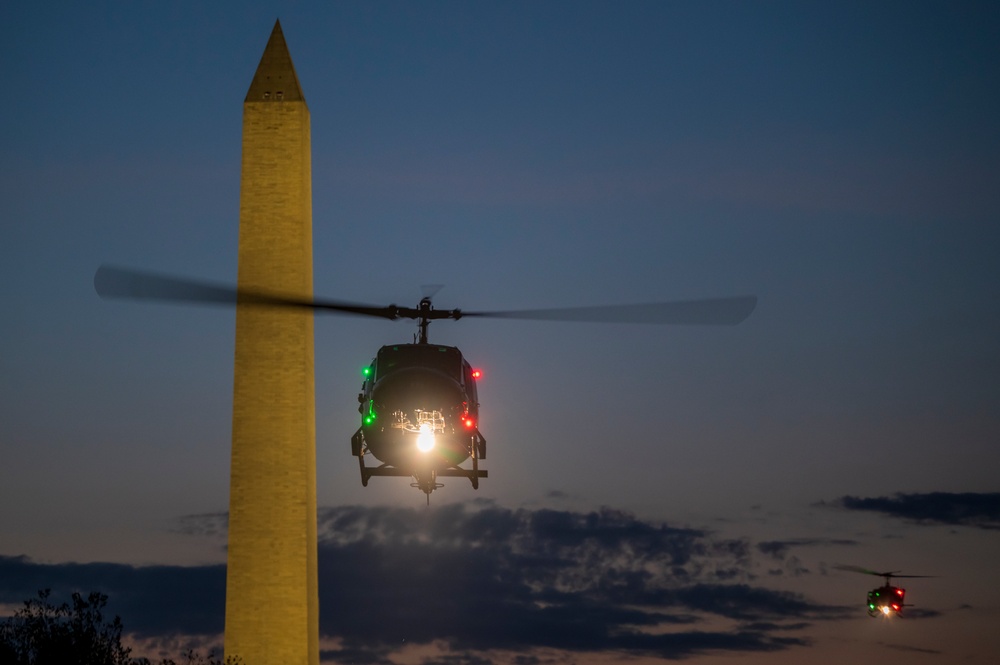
x: 654, y: 492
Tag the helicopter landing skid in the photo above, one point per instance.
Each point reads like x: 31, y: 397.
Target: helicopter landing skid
x: 424, y: 483
x: 473, y: 474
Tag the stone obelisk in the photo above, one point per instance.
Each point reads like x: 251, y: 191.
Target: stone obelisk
x: 272, y: 604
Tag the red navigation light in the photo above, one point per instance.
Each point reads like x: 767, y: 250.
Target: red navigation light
x: 895, y: 606
x: 899, y: 592
x: 477, y: 374
x: 469, y: 422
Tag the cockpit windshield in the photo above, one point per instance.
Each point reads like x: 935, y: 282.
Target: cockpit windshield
x: 446, y: 359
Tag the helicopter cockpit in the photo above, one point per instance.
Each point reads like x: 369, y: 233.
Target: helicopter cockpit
x: 445, y: 359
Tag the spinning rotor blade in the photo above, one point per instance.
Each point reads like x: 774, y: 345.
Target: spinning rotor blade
x: 865, y: 571
x: 430, y: 290
x: 710, y: 311
x: 112, y: 282
x: 116, y: 282
x: 859, y: 569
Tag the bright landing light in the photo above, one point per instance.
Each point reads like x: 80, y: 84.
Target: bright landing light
x: 885, y: 610
x: 425, y: 438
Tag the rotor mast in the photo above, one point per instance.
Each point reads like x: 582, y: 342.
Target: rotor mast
x: 425, y: 312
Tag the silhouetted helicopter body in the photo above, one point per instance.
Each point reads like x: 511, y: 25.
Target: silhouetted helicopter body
x: 886, y: 600
x: 419, y: 416
x: 419, y: 403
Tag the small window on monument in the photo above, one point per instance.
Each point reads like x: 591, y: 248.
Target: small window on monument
x: 280, y: 95
x: 267, y: 95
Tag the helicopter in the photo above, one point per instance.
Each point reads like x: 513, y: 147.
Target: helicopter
x: 420, y: 411
x: 886, y: 600
x: 419, y: 401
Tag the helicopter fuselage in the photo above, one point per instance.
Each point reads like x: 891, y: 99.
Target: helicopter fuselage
x: 885, y: 600
x: 419, y: 415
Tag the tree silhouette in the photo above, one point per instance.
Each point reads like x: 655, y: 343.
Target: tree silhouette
x: 43, y: 633
x: 193, y: 658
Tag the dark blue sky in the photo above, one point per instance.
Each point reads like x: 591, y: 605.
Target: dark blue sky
x: 840, y: 161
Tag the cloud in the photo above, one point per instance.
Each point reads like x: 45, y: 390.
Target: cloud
x: 202, y: 524
x: 780, y: 551
x: 481, y: 577
x: 921, y: 613
x: 906, y: 647
x: 966, y: 509
x: 474, y: 579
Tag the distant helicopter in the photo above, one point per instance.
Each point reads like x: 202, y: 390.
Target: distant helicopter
x: 886, y: 600
x: 419, y: 403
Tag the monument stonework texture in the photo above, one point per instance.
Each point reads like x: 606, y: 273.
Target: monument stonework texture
x: 272, y: 604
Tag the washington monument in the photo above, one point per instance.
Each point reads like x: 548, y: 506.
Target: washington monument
x: 272, y: 603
